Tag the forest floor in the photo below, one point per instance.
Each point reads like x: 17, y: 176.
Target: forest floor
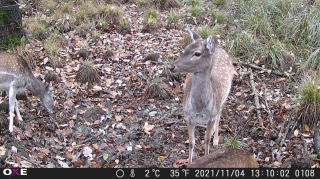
x: 113, y: 124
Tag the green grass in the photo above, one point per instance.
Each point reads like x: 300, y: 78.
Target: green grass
x: 37, y: 27
x: 309, y: 91
x: 66, y: 7
x: 218, y: 16
x: 194, y: 2
x: 114, y: 14
x: 12, y: 42
x: 52, y: 49
x: 284, y: 32
x: 205, y: 31
x: 151, y: 14
x: 173, y: 20
x: 219, y: 2
x: 173, y: 17
x: 196, y: 11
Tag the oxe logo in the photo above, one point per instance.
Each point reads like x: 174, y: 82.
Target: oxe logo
x: 14, y: 171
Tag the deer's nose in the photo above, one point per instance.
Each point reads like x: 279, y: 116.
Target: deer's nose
x: 171, y: 68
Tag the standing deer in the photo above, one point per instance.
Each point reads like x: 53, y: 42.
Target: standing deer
x: 15, y: 77
x: 207, y: 86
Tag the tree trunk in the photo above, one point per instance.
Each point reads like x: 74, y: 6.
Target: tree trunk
x: 11, y: 29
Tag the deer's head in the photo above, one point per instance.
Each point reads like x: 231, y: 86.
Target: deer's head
x: 197, y: 56
x: 47, y: 99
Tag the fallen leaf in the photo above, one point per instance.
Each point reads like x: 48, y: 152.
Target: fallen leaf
x: 2, y: 151
x: 129, y: 148
x: 26, y: 164
x: 78, y: 163
x: 105, y: 156
x: 28, y: 134
x: 176, y: 90
x: 152, y: 113
x: 95, y: 146
x: 14, y: 149
x: 63, y: 164
x: 87, y: 151
x: 59, y: 158
x: 121, y: 149
x: 79, y: 136
x: 179, y: 163
x: 118, y: 118
x: 306, y: 127
x: 45, y: 151
x: 148, y: 128
x: 103, y: 146
x: 160, y: 159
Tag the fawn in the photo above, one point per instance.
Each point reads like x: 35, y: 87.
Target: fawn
x: 210, y: 73
x: 15, y: 77
x: 226, y: 158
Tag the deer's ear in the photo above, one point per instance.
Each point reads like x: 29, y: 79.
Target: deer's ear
x: 209, y: 43
x: 194, y: 36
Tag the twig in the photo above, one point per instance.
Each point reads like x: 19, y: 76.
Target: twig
x: 275, y: 130
x: 285, y: 133
x: 84, y: 141
x: 297, y: 122
x: 256, y: 98
x: 260, y: 68
x: 305, y: 148
x: 28, y: 160
x: 26, y: 138
x: 171, y: 122
x: 270, y: 113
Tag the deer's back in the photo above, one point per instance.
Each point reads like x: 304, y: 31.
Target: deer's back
x: 13, y: 64
x: 222, y: 73
x: 14, y: 70
x: 226, y: 158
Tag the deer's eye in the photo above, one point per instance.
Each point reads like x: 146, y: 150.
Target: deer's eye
x: 197, y: 54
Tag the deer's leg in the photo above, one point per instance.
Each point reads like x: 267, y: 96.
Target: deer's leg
x: 216, y: 130
x: 191, y: 131
x: 17, y: 110
x: 12, y: 100
x: 207, y: 138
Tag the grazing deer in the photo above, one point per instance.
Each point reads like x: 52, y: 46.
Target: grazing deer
x: 226, y: 158
x: 206, y: 88
x: 15, y: 77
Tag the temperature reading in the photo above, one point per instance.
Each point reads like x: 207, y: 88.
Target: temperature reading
x: 153, y: 172
x: 186, y: 172
x: 174, y: 173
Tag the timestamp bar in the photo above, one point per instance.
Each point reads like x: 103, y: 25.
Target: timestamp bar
x: 140, y: 173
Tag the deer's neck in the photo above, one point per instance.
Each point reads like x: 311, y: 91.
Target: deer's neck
x: 36, y: 87
x: 201, y: 91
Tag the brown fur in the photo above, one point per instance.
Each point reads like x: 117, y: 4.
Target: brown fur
x: 226, y: 158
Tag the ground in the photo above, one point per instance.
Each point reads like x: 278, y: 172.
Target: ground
x: 112, y: 124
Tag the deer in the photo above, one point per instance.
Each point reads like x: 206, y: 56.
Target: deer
x: 226, y: 158
x: 15, y: 77
x: 207, y: 86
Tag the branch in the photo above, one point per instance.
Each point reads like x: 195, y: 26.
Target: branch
x: 261, y: 69
x: 28, y: 160
x: 285, y: 133
x: 90, y: 138
x: 256, y: 98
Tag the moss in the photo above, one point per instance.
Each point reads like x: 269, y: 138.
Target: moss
x: 11, y: 42
x: 4, y: 15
